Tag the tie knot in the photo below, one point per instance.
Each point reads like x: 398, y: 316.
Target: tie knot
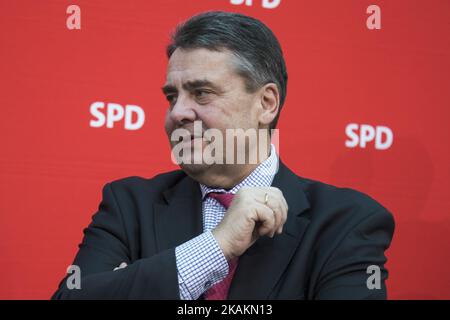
x: 223, y: 198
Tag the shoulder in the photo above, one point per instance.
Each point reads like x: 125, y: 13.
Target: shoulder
x: 343, y: 208
x: 345, y: 218
x: 323, y: 195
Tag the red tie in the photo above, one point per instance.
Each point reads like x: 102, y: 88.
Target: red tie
x: 220, y: 290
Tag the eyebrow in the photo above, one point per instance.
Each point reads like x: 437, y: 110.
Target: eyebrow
x: 189, y: 86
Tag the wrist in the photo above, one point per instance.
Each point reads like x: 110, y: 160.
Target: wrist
x: 223, y: 244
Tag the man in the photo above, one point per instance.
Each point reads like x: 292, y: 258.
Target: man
x: 239, y: 230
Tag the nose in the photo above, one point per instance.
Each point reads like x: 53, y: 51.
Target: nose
x: 183, y: 111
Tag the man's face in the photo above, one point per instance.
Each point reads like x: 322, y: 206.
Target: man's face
x: 202, y: 85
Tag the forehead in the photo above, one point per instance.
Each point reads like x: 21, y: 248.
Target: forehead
x: 187, y: 65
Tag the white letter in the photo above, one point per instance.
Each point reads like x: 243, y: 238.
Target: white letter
x: 198, y: 143
x: 129, y: 109
x: 263, y: 144
x: 389, y: 138
x: 74, y: 281
x: 367, y: 134
x: 374, y: 281
x: 181, y: 151
x: 271, y: 4
x: 73, y: 21
x: 374, y: 21
x: 96, y: 113
x: 213, y: 152
x: 113, y: 116
x: 238, y: 2
x: 354, y: 139
x: 240, y: 136
x: 275, y: 139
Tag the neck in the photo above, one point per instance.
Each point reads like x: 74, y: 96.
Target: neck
x: 226, y: 176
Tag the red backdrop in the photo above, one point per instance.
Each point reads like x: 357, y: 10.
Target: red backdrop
x: 53, y: 163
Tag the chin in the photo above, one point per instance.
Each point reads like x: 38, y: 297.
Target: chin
x: 195, y: 170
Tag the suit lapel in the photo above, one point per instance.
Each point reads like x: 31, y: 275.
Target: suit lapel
x: 262, y: 265
x: 179, y: 217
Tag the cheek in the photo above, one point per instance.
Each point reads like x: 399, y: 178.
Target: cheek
x: 245, y: 115
x: 211, y: 116
x: 168, y: 123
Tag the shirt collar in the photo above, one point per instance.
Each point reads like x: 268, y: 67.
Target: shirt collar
x: 262, y: 176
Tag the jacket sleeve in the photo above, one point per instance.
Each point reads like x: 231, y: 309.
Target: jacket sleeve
x: 351, y: 271
x: 104, y: 247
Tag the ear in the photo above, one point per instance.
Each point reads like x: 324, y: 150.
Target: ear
x: 270, y: 103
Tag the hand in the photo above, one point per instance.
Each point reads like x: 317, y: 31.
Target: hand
x: 250, y: 217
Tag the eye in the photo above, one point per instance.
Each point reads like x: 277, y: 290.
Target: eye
x: 171, y: 98
x: 201, y: 93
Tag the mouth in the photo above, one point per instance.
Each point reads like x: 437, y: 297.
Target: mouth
x: 197, y: 139
x: 190, y: 138
x: 193, y: 136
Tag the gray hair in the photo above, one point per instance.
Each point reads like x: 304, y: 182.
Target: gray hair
x: 259, y: 58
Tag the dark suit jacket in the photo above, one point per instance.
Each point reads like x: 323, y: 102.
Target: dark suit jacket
x: 330, y: 238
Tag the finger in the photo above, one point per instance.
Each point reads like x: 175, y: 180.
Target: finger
x: 278, y: 213
x: 266, y: 217
x: 267, y: 193
x: 278, y: 195
x: 276, y: 202
x: 281, y: 214
x: 277, y: 205
x: 285, y: 214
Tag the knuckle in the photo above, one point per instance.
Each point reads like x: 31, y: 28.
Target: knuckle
x: 278, y: 191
